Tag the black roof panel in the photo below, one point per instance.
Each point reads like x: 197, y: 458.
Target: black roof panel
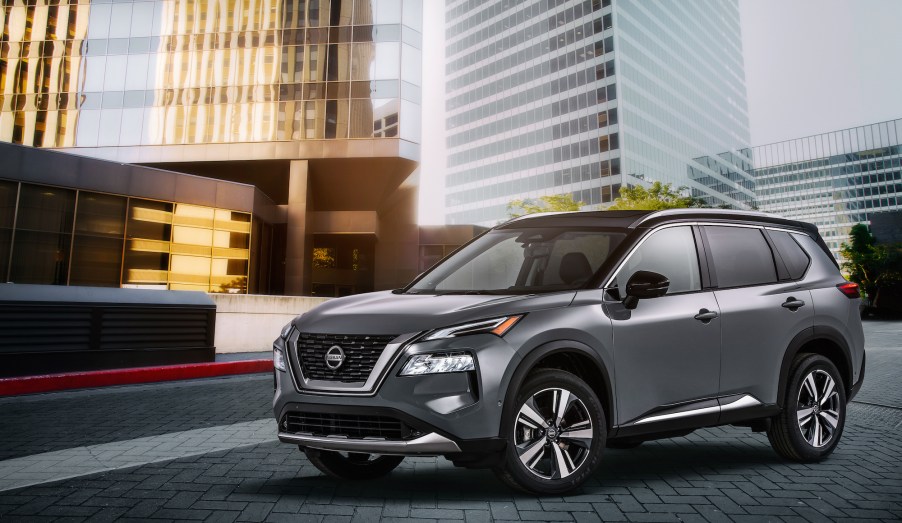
x: 616, y: 219
x: 634, y: 219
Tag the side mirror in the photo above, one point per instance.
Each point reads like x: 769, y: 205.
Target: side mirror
x: 644, y: 284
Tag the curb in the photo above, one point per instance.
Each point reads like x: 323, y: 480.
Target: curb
x: 106, y: 378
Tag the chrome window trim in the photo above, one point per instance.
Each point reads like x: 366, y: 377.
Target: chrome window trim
x: 609, y: 283
x: 390, y: 355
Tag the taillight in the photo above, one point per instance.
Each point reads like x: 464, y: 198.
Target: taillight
x: 849, y: 289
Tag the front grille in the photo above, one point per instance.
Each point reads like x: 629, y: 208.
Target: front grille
x: 361, y: 353
x: 347, y: 425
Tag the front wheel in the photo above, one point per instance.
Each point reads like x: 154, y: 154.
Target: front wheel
x: 556, y: 432
x: 814, y: 412
x: 351, y: 465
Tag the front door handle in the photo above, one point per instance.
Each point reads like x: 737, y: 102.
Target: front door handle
x: 705, y: 316
x: 792, y: 304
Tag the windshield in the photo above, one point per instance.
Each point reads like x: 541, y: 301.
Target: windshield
x: 521, y: 261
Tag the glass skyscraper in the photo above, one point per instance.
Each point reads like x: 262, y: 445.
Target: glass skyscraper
x: 582, y: 96
x: 315, y: 102
x: 93, y: 73
x: 834, y: 180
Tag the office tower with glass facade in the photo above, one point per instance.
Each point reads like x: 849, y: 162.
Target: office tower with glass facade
x: 582, y: 96
x: 314, y: 102
x: 833, y: 180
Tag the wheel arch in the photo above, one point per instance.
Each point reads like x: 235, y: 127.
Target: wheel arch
x: 827, y: 342
x: 571, y: 356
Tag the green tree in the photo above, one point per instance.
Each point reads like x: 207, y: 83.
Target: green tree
x: 555, y: 203
x: 658, y: 196
x: 869, y: 264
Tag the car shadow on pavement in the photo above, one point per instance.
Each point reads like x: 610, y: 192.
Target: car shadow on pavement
x: 677, y: 462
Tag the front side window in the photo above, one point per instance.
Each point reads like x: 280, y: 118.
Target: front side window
x: 741, y: 256
x: 670, y: 252
x: 522, y: 261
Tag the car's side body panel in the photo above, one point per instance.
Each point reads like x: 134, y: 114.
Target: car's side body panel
x: 757, y: 330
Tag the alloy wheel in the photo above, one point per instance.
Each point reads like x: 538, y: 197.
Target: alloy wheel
x: 553, y: 433
x: 818, y: 408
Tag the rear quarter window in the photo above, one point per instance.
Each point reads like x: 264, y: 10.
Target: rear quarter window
x: 741, y: 256
x: 793, y: 255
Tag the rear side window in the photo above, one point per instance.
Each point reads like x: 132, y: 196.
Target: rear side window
x: 741, y: 256
x: 793, y: 256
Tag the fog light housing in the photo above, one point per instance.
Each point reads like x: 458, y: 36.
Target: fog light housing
x: 440, y: 363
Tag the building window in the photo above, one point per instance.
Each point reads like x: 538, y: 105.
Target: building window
x: 99, y: 236
x: 43, y: 235
x: 9, y: 192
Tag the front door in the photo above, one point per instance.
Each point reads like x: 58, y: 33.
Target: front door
x: 667, y: 349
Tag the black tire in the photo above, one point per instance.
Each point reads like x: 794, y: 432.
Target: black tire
x: 536, y: 453
x: 810, y: 425
x: 352, y: 466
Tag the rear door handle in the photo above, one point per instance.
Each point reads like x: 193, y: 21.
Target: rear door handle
x: 792, y: 304
x: 705, y: 316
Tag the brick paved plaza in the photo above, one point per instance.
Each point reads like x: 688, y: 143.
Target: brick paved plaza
x: 206, y: 450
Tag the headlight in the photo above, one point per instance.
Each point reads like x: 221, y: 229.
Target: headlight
x: 285, y: 330
x: 496, y: 326
x: 438, y: 363
x: 278, y: 359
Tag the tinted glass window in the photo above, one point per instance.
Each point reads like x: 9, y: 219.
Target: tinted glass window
x: 793, y: 256
x: 741, y: 256
x: 43, y: 235
x: 522, y: 261
x: 670, y: 252
x: 99, y: 231
x: 8, y: 193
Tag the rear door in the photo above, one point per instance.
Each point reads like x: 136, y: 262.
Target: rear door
x: 761, y: 308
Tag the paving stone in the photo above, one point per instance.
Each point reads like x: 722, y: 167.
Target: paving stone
x: 436, y: 513
x: 716, y: 474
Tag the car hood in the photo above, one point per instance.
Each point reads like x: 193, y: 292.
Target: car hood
x: 387, y: 313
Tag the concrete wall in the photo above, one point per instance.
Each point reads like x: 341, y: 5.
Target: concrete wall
x: 250, y: 323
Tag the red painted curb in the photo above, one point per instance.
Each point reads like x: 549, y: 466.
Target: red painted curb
x: 105, y: 378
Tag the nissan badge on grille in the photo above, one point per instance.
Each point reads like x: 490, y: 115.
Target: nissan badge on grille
x: 335, y: 357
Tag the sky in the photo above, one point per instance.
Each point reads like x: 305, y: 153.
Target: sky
x: 812, y: 66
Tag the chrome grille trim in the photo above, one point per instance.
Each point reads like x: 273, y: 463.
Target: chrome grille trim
x: 387, y: 359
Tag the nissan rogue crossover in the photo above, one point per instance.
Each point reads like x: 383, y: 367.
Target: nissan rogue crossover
x: 550, y: 337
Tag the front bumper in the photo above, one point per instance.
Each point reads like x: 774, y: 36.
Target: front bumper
x: 429, y: 444
x: 453, y: 413
x: 857, y: 387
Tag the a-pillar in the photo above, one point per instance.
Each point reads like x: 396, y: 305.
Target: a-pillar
x: 299, y: 242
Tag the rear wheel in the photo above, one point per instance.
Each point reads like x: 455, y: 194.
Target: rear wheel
x: 814, y: 412
x: 352, y: 465
x: 555, y: 436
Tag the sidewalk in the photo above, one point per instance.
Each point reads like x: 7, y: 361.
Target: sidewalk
x: 224, y: 365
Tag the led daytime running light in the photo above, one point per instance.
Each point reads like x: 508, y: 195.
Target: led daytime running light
x: 496, y: 326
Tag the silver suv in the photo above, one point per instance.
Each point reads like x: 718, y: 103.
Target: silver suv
x: 550, y: 337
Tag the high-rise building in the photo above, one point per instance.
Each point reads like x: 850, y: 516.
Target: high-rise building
x: 314, y: 102
x: 582, y: 96
x: 833, y: 180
